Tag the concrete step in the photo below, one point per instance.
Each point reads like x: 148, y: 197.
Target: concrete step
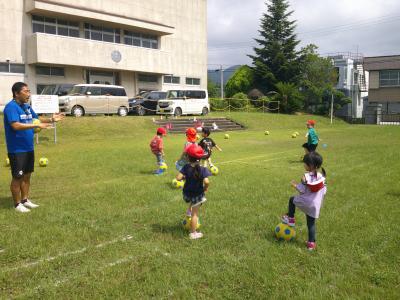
x: 180, y: 125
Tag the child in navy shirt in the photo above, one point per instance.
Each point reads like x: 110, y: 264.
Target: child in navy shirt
x: 207, y: 144
x: 196, y: 185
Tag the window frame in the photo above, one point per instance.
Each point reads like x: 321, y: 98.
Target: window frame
x: 391, y: 80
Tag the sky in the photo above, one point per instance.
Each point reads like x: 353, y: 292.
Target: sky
x: 367, y: 27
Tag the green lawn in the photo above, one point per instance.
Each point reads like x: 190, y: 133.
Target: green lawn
x: 107, y: 228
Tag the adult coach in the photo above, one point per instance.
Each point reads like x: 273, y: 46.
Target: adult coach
x: 18, y: 128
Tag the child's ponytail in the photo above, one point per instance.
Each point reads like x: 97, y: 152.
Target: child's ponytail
x: 323, y: 172
x: 197, y: 170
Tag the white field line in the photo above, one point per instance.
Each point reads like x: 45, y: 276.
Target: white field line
x: 253, y: 157
x: 79, y: 251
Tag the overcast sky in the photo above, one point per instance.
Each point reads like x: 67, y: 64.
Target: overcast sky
x: 369, y: 27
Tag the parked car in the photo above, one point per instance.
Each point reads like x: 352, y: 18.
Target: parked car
x: 95, y: 99
x: 184, y: 102
x: 57, y: 89
x: 146, y: 103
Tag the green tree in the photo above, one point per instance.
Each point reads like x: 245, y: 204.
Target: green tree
x: 276, y: 60
x: 213, y: 89
x: 240, y: 82
x: 290, y: 98
x: 318, y: 75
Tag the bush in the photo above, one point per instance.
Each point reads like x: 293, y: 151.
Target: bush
x: 239, y: 100
x: 218, y: 104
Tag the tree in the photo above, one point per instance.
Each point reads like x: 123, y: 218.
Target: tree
x: 213, y: 89
x: 240, y: 82
x: 276, y: 60
x: 318, y: 77
x: 289, y: 96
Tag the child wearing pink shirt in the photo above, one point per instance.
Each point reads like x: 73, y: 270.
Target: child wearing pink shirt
x: 312, y: 190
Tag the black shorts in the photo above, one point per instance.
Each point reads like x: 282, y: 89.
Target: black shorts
x: 310, y: 147
x: 21, y: 163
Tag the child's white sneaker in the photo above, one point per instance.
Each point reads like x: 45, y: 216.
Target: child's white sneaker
x: 21, y: 208
x: 195, y: 235
x: 29, y: 204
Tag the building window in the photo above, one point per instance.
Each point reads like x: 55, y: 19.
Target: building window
x: 8, y: 67
x: 140, y: 39
x: 192, y: 81
x: 100, y: 33
x: 389, y: 78
x: 172, y: 79
x: 55, y: 26
x: 148, y: 78
x: 49, y: 71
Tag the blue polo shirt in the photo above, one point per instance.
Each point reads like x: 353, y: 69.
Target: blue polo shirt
x: 18, y: 140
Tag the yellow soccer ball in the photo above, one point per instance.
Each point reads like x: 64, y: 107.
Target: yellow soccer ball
x: 266, y: 132
x: 284, y: 232
x: 198, y: 137
x: 163, y: 166
x: 226, y: 136
x: 43, y: 162
x: 187, y: 223
x: 294, y: 135
x: 214, y: 170
x: 178, y: 184
x: 297, y: 133
x: 36, y: 122
x: 7, y: 162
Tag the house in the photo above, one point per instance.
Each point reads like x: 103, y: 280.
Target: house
x: 352, y: 82
x: 384, y: 82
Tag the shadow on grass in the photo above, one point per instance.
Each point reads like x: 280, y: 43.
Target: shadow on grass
x: 292, y: 161
x: 175, y: 230
x: 296, y: 242
x: 6, y: 203
x: 395, y: 194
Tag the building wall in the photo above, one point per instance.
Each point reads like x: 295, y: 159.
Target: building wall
x: 180, y: 25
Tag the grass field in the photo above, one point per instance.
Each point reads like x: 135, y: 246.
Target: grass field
x: 107, y: 228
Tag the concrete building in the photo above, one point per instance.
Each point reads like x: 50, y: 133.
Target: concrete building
x: 141, y: 45
x: 384, y: 83
x: 352, y: 82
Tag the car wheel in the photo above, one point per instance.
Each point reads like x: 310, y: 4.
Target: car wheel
x: 178, y: 112
x: 78, y: 111
x: 141, y: 111
x: 122, y: 111
x: 204, y: 112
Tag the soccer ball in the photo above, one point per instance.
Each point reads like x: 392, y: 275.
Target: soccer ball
x: 226, y: 136
x: 43, y: 162
x: 7, y: 162
x: 266, y: 132
x: 214, y: 170
x: 284, y: 232
x: 297, y: 133
x: 178, y: 184
x: 294, y: 135
x: 36, y: 122
x: 163, y: 166
x: 187, y: 223
x: 197, y: 137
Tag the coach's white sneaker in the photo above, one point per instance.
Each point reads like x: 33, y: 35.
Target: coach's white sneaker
x: 29, y: 204
x: 21, y: 208
x: 195, y: 235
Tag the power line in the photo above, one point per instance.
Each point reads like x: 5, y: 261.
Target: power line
x: 320, y: 32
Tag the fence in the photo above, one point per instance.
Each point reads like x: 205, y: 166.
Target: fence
x: 377, y: 118
x: 247, y: 105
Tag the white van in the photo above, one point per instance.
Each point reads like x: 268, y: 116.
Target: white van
x: 95, y: 99
x: 184, y: 102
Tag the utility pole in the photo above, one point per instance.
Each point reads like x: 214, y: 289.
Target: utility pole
x: 222, y: 81
x: 332, y: 109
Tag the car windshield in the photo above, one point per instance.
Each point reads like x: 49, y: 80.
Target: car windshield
x: 48, y: 90
x: 77, y: 90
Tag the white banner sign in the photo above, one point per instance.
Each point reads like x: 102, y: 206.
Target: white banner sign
x: 45, y: 104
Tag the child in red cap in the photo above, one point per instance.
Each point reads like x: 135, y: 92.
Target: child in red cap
x: 312, y: 142
x: 196, y: 185
x: 191, y: 134
x: 157, y: 147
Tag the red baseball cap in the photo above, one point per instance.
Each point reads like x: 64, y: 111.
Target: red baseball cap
x: 195, y: 151
x: 162, y: 131
x: 191, y: 134
x: 311, y: 122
